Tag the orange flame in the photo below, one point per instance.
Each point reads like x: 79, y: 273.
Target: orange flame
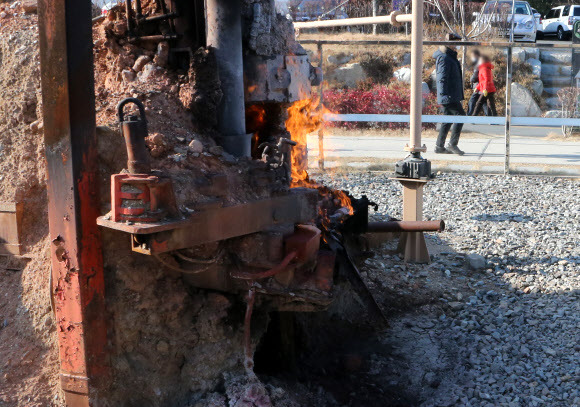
x: 305, y: 117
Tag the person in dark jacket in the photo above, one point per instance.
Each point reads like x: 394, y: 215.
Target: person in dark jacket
x: 475, y: 56
x: 449, y: 96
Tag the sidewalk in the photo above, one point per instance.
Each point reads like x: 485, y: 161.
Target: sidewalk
x: 533, y: 154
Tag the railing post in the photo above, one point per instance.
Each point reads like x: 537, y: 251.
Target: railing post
x: 374, y: 15
x: 321, y: 130
x: 508, y: 109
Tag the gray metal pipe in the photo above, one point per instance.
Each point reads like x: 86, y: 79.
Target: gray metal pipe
x: 224, y: 34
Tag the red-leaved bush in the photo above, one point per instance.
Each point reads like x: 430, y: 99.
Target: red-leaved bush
x: 380, y: 99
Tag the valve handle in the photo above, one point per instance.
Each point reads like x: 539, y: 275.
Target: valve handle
x: 127, y: 101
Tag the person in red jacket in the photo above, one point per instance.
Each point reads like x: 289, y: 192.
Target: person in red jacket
x: 485, y: 87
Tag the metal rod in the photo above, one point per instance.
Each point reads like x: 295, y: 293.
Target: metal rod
x: 321, y: 130
x: 78, y: 284
x: 139, y: 12
x: 406, y: 226
x: 416, y: 76
x: 374, y: 15
x: 129, y: 16
x: 432, y: 118
x: 394, y: 18
x: 508, y: 110
x: 160, y: 17
x: 154, y: 38
x: 504, y: 44
x: 224, y: 35
x: 248, y: 354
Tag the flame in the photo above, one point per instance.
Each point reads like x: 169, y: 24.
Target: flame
x: 305, y: 117
x: 344, y: 200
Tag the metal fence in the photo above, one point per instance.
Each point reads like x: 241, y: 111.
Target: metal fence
x: 508, y: 121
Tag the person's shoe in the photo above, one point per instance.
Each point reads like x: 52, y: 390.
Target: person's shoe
x: 454, y: 150
x: 442, y: 150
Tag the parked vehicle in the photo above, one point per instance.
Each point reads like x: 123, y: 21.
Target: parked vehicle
x: 538, y: 19
x: 498, y: 15
x: 560, y: 21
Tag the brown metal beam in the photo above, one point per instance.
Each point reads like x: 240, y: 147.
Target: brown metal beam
x: 407, y: 226
x: 213, y: 225
x: 66, y: 52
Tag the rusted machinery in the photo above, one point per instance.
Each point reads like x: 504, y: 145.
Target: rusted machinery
x: 283, y: 249
x: 143, y: 205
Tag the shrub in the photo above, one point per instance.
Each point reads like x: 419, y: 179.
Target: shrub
x: 380, y: 99
x: 379, y: 68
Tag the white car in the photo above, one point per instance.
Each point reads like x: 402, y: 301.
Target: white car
x: 498, y: 15
x: 560, y: 21
x: 538, y: 18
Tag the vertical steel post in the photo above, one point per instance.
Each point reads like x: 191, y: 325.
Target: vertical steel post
x: 413, y: 244
x: 508, y: 109
x: 321, y: 130
x: 66, y: 53
x: 374, y: 15
x: 416, y: 76
x: 508, y: 93
x: 224, y: 34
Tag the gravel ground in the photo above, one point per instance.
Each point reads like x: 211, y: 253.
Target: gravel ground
x: 495, y: 319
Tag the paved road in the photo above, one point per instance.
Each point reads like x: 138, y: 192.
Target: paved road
x: 486, y: 131
x: 529, y: 153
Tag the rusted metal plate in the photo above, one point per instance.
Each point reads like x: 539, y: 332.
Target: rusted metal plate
x: 10, y: 220
x: 66, y: 53
x: 215, y: 224
x: 233, y: 221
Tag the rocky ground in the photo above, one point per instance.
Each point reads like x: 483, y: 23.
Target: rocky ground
x: 495, y: 318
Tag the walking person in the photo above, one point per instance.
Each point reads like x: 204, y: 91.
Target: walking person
x: 449, y: 96
x: 475, y: 57
x: 486, y: 88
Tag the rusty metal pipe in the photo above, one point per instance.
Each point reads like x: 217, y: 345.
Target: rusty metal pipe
x: 406, y: 226
x: 269, y: 273
x: 129, y: 17
x: 154, y: 38
x: 160, y: 17
x: 139, y: 13
x: 134, y: 131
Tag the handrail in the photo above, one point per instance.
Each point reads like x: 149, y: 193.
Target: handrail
x: 496, y: 44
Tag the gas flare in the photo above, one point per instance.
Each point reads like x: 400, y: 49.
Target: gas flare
x: 305, y: 117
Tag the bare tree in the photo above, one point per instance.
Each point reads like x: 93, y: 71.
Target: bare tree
x: 459, y: 23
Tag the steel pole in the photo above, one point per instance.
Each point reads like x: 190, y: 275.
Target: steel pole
x: 508, y: 110
x: 224, y: 35
x: 321, y: 130
x: 374, y: 15
x: 78, y: 288
x: 416, y: 76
